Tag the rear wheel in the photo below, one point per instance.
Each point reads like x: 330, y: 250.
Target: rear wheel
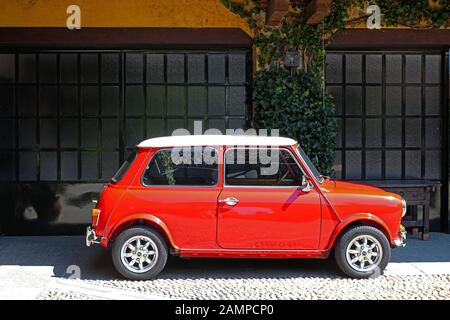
x: 363, y: 252
x: 139, y: 253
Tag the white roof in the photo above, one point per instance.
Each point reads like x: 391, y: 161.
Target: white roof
x: 215, y: 140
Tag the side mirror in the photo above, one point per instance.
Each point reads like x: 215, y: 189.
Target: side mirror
x: 306, y: 184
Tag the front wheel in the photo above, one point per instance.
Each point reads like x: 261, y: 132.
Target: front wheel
x: 363, y: 252
x: 139, y: 253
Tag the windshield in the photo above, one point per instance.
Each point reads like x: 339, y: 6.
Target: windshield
x: 124, y: 168
x: 310, y: 165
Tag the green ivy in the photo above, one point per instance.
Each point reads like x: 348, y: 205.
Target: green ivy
x: 412, y: 14
x: 295, y: 101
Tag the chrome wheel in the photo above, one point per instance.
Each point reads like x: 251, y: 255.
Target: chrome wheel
x: 139, y: 254
x: 364, y: 253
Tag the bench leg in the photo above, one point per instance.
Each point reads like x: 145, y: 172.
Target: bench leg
x: 426, y: 219
x: 414, y: 230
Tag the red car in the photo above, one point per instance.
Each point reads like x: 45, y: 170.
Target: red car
x: 240, y: 197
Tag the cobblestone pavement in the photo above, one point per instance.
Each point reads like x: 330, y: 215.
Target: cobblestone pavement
x: 41, y: 266
x: 63, y: 295
x: 386, y: 287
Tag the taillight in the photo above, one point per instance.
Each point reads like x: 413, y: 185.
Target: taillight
x: 95, y: 216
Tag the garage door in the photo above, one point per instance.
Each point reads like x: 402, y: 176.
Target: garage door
x: 69, y: 118
x: 389, y: 111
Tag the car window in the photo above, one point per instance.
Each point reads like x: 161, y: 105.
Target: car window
x: 183, y: 167
x: 261, y: 167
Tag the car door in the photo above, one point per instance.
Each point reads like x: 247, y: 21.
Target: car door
x: 263, y: 204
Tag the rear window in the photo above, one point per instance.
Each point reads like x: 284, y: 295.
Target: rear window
x: 182, y: 167
x: 124, y: 167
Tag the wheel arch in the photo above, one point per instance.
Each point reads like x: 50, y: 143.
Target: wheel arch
x: 359, y: 219
x: 142, y: 219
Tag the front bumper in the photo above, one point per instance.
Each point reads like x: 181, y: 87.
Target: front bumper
x: 91, y: 237
x: 401, y: 240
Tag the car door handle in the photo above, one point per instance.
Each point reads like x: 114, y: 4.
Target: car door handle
x: 229, y: 201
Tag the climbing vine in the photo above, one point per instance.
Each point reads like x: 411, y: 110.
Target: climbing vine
x: 295, y: 100
x: 412, y: 14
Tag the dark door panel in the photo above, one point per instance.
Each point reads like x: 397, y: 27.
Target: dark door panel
x: 70, y: 118
x: 389, y: 110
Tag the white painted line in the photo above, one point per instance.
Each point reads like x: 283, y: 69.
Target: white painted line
x: 100, y: 292
x: 417, y: 268
x: 22, y: 293
x: 433, y: 268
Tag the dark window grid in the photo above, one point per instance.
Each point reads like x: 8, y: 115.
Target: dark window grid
x: 344, y: 111
x: 123, y: 99
x: 388, y: 149
x: 423, y: 136
x: 16, y: 112
x: 197, y: 84
x: 38, y: 128
x: 383, y: 54
x: 403, y: 84
x: 186, y: 98
x: 403, y: 112
x: 249, y: 86
x: 180, y: 117
x: 206, y: 116
x: 74, y: 149
x: 71, y: 84
x: 389, y: 117
x: 58, y: 114
x: 165, y: 122
x: 445, y: 98
x: 226, y: 54
x: 194, y: 84
x: 122, y: 81
x: 76, y: 117
x: 186, y: 85
x: 384, y: 117
x: 363, y: 113
x: 100, y: 148
x: 145, y: 95
x: 185, y: 115
x: 227, y: 76
x: 99, y: 121
x: 80, y: 116
x: 162, y: 117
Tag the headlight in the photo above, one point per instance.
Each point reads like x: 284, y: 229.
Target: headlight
x: 403, y: 207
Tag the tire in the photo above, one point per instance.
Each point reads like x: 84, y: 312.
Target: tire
x: 123, y: 254
x: 347, y: 251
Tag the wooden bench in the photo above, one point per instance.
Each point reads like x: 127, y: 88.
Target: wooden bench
x: 416, y: 193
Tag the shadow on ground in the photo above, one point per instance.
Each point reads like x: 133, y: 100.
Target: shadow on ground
x: 66, y: 254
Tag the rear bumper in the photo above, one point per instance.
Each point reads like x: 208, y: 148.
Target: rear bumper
x: 91, y: 237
